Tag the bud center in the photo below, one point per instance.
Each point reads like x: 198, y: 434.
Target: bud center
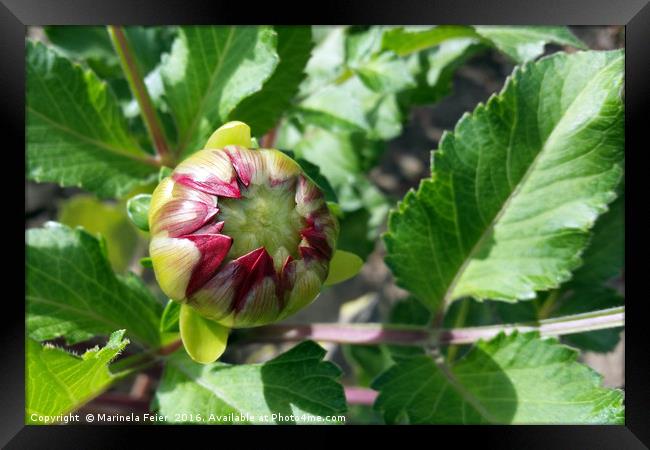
x: 264, y: 216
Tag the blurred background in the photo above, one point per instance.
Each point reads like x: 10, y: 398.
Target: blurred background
x: 367, y: 297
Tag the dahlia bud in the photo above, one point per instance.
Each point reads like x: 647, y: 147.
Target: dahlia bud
x: 241, y: 236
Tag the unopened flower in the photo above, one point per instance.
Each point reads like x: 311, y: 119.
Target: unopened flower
x: 240, y: 235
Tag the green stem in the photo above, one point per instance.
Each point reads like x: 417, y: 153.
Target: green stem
x: 141, y: 94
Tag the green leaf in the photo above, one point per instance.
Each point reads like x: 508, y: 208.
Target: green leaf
x: 516, y: 187
x: 353, y: 235
x: 89, y: 44
x: 604, y: 258
x: 523, y: 43
x: 587, y: 290
x: 327, y: 60
x: 72, y: 291
x: 384, y: 73
x: 59, y: 382
x: 76, y: 134
x: 204, y: 340
x: 297, y: 383
x: 138, y: 210
x: 406, y: 40
x: 367, y: 361
x: 384, y: 116
x: 447, y: 57
x: 333, y: 108
x: 149, y: 43
x: 263, y: 110
x: 361, y: 44
x: 333, y: 154
x: 105, y: 219
x: 351, y: 109
x: 344, y: 265
x: 210, y: 70
x: 92, y: 45
x: 516, y: 379
x: 434, y: 70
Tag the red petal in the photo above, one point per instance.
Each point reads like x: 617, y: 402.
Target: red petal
x: 180, y: 217
x: 255, y: 266
x: 214, y: 186
x: 316, y: 239
x: 211, y: 228
x: 242, y: 162
x: 308, y: 253
x: 188, y: 193
x: 213, y: 248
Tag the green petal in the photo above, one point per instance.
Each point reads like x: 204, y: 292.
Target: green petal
x: 204, y: 339
x: 231, y: 133
x: 343, y: 265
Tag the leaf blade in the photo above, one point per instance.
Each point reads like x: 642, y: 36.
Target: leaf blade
x: 209, y: 71
x: 263, y: 109
x: 404, y: 41
x: 523, y: 43
x: 456, y: 235
x: 72, y: 292
x: 59, y: 382
x: 512, y: 379
x: 76, y: 134
x: 297, y: 382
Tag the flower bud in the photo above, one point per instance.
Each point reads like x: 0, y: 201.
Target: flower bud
x: 241, y: 235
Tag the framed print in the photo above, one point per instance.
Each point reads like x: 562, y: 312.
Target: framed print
x: 407, y: 215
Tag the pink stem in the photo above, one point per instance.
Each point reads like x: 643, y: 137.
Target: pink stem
x: 404, y: 335
x: 360, y: 396
x: 140, y: 92
x: 341, y: 333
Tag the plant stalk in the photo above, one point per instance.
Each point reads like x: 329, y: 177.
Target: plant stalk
x: 372, y: 333
x: 141, y: 94
x: 460, y: 321
x: 359, y: 395
x: 405, y: 335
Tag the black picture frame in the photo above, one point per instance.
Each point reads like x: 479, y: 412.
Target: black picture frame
x: 16, y: 15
